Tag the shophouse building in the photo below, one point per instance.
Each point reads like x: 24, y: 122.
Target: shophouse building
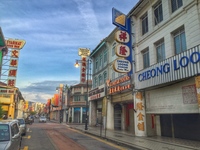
x: 111, y: 99
x: 77, y: 105
x: 100, y: 61
x: 167, y: 67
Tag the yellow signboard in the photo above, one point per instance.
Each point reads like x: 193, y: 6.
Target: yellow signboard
x: 15, y: 44
x: 83, y: 52
x: 5, y: 107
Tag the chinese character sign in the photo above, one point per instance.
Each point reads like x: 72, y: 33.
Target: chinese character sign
x: 12, y: 73
x: 140, y: 118
x: 83, y: 70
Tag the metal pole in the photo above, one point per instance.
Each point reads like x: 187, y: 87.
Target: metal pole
x: 49, y: 109
x: 86, y: 118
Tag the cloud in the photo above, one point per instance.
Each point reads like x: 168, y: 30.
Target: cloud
x: 42, y: 91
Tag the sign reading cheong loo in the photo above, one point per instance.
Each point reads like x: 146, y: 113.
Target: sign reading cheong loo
x: 183, y: 65
x: 15, y: 44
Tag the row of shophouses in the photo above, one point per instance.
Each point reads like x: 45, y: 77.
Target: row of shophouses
x: 162, y: 95
x: 15, y: 106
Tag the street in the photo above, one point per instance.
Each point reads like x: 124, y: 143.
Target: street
x: 54, y: 136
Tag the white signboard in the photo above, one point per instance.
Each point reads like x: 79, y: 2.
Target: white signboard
x: 122, y: 65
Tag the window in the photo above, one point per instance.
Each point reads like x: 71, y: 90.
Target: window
x: 176, y: 4
x: 95, y: 82
x: 144, y: 24
x: 146, y: 58
x: 100, y: 79
x: 104, y: 77
x: 76, y: 98
x: 96, y: 64
x: 179, y: 41
x: 85, y: 97
x: 105, y: 56
x: 113, y: 49
x: 100, y: 60
x: 158, y: 13
x: 160, y: 50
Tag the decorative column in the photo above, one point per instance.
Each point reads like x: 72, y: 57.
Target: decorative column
x: 140, y: 116
x: 197, y: 82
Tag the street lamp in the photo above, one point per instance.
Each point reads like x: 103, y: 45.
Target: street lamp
x: 88, y: 69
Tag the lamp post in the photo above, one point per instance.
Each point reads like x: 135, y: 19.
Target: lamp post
x: 88, y: 72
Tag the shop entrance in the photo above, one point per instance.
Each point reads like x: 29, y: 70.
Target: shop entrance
x: 185, y: 126
x: 117, y: 116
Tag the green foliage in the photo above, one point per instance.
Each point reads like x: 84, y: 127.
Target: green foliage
x: 33, y: 112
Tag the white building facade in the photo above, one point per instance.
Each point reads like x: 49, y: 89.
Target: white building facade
x: 167, y: 66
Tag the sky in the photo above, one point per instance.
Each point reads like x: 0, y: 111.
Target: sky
x: 54, y: 30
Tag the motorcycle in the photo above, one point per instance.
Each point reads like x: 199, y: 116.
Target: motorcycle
x: 28, y: 121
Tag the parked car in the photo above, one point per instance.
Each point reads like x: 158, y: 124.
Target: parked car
x: 43, y: 119
x: 10, y: 136
x: 22, y: 126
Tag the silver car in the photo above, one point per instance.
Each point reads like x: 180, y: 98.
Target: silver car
x: 43, y: 119
x: 22, y: 126
x: 10, y: 136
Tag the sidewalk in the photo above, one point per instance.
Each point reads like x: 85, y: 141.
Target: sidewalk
x: 143, y: 143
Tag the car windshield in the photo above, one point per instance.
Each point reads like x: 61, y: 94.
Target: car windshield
x: 4, y: 132
x: 42, y: 117
x: 21, y: 121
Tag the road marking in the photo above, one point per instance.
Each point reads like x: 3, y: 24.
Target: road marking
x: 97, y: 138
x: 25, y: 148
x: 27, y: 137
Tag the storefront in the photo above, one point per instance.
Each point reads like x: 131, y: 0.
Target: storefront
x: 171, y: 94
x: 96, y: 100
x: 121, y: 107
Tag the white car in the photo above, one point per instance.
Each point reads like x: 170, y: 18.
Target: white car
x: 43, y: 119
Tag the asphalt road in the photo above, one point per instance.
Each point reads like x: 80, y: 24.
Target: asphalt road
x: 54, y: 136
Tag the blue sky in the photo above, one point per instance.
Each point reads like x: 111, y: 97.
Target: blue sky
x: 53, y: 31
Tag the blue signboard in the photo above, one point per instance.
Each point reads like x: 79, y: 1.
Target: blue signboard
x: 123, y: 23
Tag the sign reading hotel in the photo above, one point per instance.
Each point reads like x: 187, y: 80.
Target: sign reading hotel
x: 15, y: 44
